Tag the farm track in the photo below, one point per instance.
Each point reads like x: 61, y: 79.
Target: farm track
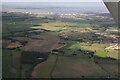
x: 34, y: 72
x: 54, y: 66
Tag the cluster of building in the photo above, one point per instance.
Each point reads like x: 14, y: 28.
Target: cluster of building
x: 113, y: 47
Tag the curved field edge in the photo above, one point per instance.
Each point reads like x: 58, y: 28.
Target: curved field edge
x: 45, y: 68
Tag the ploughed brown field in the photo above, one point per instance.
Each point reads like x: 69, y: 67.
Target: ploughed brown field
x: 75, y: 67
x: 43, y: 43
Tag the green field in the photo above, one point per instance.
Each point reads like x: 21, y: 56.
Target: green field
x: 11, y: 64
x: 99, y: 48
x: 72, y: 67
x: 46, y: 68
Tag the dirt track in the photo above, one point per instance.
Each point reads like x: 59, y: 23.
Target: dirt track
x: 35, y: 70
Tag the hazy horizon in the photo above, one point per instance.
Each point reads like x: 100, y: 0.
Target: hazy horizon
x: 54, y: 4
x: 80, y: 7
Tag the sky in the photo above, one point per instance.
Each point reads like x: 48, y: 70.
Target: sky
x: 56, y: 4
x: 60, y: 0
x: 51, y: 0
x: 97, y: 3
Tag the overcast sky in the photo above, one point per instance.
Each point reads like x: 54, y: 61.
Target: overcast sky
x: 51, y: 0
x: 60, y: 0
x: 58, y: 4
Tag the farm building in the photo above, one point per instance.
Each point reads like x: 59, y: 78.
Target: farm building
x: 84, y: 30
x: 113, y: 47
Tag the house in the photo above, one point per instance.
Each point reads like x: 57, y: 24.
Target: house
x: 113, y: 47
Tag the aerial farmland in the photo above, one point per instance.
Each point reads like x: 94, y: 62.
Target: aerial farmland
x: 55, y: 43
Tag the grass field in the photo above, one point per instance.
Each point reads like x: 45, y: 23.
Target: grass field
x: 45, y: 69
x: 72, y: 67
x: 110, y: 66
x: 72, y: 48
x: 112, y: 69
x: 13, y: 26
x: 55, y: 26
x: 100, y: 50
x: 26, y: 70
x: 11, y: 64
x: 62, y: 26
